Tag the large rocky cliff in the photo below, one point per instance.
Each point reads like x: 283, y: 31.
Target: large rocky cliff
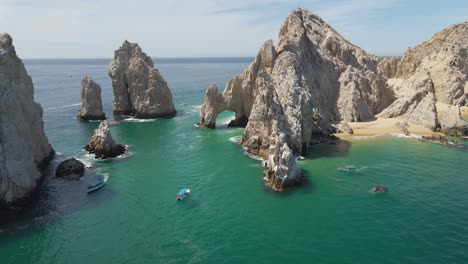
x: 24, y: 149
x: 139, y: 89
x: 291, y: 93
x: 434, y: 72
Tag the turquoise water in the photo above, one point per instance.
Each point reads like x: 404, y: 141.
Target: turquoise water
x: 231, y: 217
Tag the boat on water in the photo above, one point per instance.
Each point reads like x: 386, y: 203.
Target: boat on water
x: 183, y: 193
x: 95, y: 185
x: 379, y: 189
x: 347, y: 168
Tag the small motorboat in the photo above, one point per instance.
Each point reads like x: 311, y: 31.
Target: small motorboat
x: 347, y: 168
x: 95, y: 185
x: 183, y: 193
x: 379, y: 189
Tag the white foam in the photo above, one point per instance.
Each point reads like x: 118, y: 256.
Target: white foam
x: 398, y: 135
x: 60, y: 107
x: 137, y: 120
x: 253, y: 156
x: 235, y: 139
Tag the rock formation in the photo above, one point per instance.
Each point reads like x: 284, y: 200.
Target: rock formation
x: 451, y: 122
x: 102, y: 145
x: 24, y: 148
x: 91, y: 102
x: 444, y: 58
x: 435, y: 71
x: 70, y: 169
x: 139, y: 89
x: 416, y: 102
x: 313, y: 78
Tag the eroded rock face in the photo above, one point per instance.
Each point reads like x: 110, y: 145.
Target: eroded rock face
x: 70, y: 169
x: 214, y: 105
x: 416, y: 102
x: 451, y: 122
x: 239, y: 93
x: 139, y: 89
x: 445, y: 58
x: 389, y: 67
x: 24, y: 148
x: 102, y: 145
x: 91, y: 102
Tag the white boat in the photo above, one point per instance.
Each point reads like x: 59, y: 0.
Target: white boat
x: 95, y: 185
x: 183, y: 193
x: 347, y: 168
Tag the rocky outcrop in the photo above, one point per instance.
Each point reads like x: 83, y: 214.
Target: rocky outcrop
x: 240, y: 92
x: 451, y: 122
x: 444, y: 58
x: 416, y: 102
x: 403, y: 126
x: 70, y: 169
x: 311, y: 80
x: 24, y: 148
x: 389, y: 66
x: 214, y: 105
x: 102, y: 145
x: 91, y: 102
x: 139, y: 89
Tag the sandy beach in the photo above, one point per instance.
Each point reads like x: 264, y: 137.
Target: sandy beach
x: 382, y: 126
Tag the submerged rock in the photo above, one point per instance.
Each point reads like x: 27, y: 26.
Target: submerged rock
x: 24, y: 148
x: 102, y: 145
x: 70, y: 169
x: 91, y: 102
x: 139, y: 89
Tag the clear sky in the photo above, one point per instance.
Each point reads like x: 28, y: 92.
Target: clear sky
x: 212, y: 28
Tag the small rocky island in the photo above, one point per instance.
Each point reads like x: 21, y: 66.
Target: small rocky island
x: 315, y: 81
x: 139, y: 89
x: 102, y: 145
x: 91, y: 102
x: 25, y: 152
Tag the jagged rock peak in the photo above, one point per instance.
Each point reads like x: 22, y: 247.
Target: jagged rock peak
x: 444, y: 57
x: 24, y: 148
x: 139, y: 89
x: 311, y: 80
x: 91, y: 102
x: 102, y: 145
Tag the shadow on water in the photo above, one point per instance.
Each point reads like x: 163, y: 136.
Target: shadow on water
x: 53, y: 199
x: 333, y: 148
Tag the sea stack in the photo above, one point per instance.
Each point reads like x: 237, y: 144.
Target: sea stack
x: 25, y: 152
x: 102, y: 145
x: 91, y: 102
x: 139, y: 89
x: 295, y: 92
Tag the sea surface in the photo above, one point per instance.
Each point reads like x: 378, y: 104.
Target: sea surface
x: 230, y: 216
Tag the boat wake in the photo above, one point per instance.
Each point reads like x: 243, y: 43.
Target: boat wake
x: 60, y: 107
x: 137, y: 120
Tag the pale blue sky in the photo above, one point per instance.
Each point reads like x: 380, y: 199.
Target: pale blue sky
x: 212, y: 28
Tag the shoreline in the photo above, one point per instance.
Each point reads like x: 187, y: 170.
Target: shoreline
x: 382, y: 126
